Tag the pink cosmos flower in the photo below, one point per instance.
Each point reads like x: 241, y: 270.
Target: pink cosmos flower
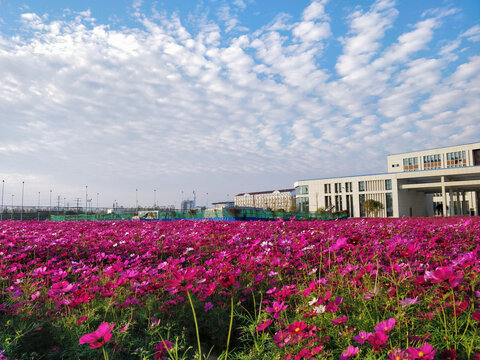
x: 297, y: 327
x: 426, y: 352
x: 264, y: 325
x: 161, y: 349
x: 349, y: 353
x: 409, y: 301
x: 378, y: 340
x: 476, y: 316
x: 339, y: 321
x: 362, y: 337
x: 386, y: 326
x: 397, y: 354
x: 94, y: 339
x: 276, y: 308
x: 208, y: 306
x: 304, y: 354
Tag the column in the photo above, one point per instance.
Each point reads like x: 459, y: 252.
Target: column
x: 459, y: 204
x: 450, y: 194
x: 444, y: 197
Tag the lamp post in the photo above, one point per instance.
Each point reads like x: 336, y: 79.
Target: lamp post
x: 136, y: 201
x: 97, y: 201
x: 50, y: 207
x: 38, y: 207
x: 21, y: 209
x: 11, y: 217
x: 154, y: 199
x: 3, y: 186
x: 86, y: 199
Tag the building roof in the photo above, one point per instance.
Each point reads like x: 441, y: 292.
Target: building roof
x: 265, y: 192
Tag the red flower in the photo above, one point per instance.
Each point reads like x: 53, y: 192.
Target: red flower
x: 297, y: 327
x: 378, y: 340
x: 386, y: 326
x: 104, y: 331
x: 264, y: 325
x: 426, y: 352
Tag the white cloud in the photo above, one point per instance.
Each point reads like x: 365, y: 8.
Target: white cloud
x: 472, y: 34
x: 161, y: 100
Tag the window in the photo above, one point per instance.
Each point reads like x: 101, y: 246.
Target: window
x: 389, y: 203
x: 456, y: 159
x: 410, y: 164
x: 302, y: 204
x: 327, y: 188
x: 338, y: 188
x: 349, y: 199
x: 388, y: 184
x: 338, y: 203
x: 361, y: 186
x: 361, y: 199
x: 432, y: 162
x: 348, y: 187
x: 328, y: 202
x: 302, y: 190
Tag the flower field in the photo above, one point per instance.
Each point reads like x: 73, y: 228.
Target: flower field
x: 354, y: 289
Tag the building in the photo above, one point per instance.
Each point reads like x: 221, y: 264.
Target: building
x: 267, y: 200
x: 223, y: 205
x: 420, y: 183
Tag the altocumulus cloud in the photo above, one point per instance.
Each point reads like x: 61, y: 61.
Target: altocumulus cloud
x: 158, y: 98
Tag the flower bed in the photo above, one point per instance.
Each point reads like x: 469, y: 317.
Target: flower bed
x: 365, y: 289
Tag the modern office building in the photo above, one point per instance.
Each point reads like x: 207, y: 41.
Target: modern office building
x: 420, y: 183
x: 267, y: 200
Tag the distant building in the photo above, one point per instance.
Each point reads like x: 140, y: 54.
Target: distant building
x: 271, y: 200
x: 187, y: 205
x: 223, y: 205
x: 442, y: 181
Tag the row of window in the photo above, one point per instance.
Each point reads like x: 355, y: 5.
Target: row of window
x: 456, y: 159
x: 362, y: 187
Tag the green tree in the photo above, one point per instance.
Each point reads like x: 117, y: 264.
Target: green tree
x: 372, y: 207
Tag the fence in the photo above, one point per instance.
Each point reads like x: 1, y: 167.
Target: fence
x: 242, y: 214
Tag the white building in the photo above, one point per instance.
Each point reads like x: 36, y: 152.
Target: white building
x: 272, y: 200
x: 421, y: 183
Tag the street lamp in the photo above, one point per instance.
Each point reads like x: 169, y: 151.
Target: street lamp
x: 154, y: 198
x: 136, y: 201
x: 21, y: 210
x: 38, y: 207
x: 3, y: 186
x: 97, y: 201
x: 86, y: 199
x: 11, y: 217
x: 50, y: 207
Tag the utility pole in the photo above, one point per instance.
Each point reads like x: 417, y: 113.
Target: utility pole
x: 21, y: 210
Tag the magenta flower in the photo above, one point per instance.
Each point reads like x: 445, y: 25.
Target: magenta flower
x: 386, y: 326
x: 426, y: 352
x: 94, y: 339
x: 362, y: 337
x: 264, y: 325
x: 162, y: 349
x: 339, y: 321
x: 397, y: 354
x: 476, y: 316
x: 208, y: 306
x: 349, y: 353
x: 297, y: 327
x: 276, y: 308
x: 378, y: 340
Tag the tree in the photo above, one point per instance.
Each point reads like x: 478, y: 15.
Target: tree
x: 372, y: 207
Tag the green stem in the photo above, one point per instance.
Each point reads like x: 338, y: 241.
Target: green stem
x: 230, y: 327
x: 105, y: 355
x: 196, y: 326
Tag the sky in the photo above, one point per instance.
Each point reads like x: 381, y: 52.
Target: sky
x: 152, y: 100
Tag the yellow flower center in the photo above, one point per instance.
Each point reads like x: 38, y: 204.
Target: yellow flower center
x: 420, y: 354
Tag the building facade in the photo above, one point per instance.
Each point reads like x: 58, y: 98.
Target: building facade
x: 267, y: 200
x: 442, y: 181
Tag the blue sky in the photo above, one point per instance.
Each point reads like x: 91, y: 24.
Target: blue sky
x: 224, y: 97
